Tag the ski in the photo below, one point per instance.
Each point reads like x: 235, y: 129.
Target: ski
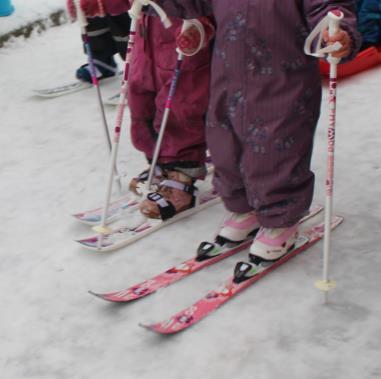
x: 129, y: 232
x: 214, y: 299
x: 117, y: 209
x: 66, y: 89
x: 62, y: 90
x: 208, y: 254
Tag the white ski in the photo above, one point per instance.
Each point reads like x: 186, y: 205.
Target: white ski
x: 127, y: 231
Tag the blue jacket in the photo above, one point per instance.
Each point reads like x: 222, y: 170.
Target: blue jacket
x: 369, y: 21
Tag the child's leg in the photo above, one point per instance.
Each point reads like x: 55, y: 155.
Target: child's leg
x: 182, y: 153
x: 265, y: 164
x: 184, y: 139
x: 150, y: 78
x: 226, y: 152
x: 119, y: 28
x: 276, y: 161
x: 100, y: 38
x: 141, y: 98
x: 102, y: 48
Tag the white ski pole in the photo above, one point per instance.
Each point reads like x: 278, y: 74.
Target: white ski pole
x: 180, y: 56
x: 327, y: 284
x: 83, y: 24
x: 135, y: 14
x: 333, y: 22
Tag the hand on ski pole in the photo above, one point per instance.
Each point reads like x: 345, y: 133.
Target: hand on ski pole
x: 194, y: 36
x: 343, y: 38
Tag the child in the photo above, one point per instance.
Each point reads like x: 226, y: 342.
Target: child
x: 108, y: 35
x: 264, y: 107
x: 182, y: 154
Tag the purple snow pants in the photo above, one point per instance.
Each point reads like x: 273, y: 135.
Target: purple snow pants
x: 153, y: 62
x: 265, y: 101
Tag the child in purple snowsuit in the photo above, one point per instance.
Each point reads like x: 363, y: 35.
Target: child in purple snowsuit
x: 263, y: 111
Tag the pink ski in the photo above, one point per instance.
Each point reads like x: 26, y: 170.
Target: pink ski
x: 214, y: 299
x: 186, y: 268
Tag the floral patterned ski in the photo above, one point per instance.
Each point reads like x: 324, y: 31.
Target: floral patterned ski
x: 207, y: 254
x: 214, y: 299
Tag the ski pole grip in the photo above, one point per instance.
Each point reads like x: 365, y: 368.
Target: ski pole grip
x: 186, y: 25
x: 80, y: 16
x: 136, y: 9
x: 334, y: 18
x: 163, y: 16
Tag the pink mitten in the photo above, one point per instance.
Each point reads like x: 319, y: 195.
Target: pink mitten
x: 195, y: 37
x: 189, y: 40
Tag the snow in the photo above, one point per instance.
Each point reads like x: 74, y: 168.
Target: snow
x: 54, y: 163
x: 27, y: 11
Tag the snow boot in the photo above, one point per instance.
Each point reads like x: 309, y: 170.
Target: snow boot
x: 103, y: 70
x: 175, y: 194
x: 271, y: 244
x: 237, y: 227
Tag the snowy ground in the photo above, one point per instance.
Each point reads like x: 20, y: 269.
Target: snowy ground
x: 54, y: 163
x: 27, y: 11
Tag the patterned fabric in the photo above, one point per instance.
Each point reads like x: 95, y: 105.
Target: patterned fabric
x: 265, y: 101
x: 369, y: 21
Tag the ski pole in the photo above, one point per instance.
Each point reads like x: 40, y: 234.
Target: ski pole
x: 135, y: 14
x: 83, y: 23
x: 332, y: 21
x: 180, y: 57
x: 326, y: 284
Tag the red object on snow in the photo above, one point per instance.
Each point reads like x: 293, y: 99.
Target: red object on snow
x: 364, y: 59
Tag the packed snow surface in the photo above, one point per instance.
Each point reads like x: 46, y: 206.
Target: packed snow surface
x: 54, y: 162
x: 27, y: 11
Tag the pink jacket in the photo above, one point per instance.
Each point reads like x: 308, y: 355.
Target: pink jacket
x: 93, y: 8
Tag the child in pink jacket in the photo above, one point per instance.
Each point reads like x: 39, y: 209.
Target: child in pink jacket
x: 182, y: 154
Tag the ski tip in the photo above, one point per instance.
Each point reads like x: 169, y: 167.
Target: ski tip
x: 153, y: 328
x: 92, y: 244
x: 159, y: 330
x: 99, y: 295
x: 146, y: 326
x: 110, y: 297
x: 84, y: 219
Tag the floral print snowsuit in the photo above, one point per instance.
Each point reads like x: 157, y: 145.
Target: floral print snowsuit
x: 265, y: 101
